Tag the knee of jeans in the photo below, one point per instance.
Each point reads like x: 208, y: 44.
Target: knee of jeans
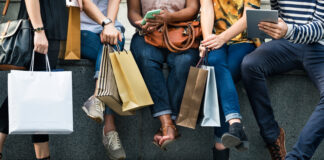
x: 216, y: 61
x: 249, y: 65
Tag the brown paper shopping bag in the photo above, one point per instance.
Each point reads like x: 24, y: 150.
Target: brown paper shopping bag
x: 193, y: 95
x: 106, y: 89
x: 73, y: 42
x: 130, y: 83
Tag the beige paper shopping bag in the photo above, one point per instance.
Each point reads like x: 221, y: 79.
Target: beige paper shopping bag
x: 106, y: 89
x: 130, y: 83
x: 73, y: 42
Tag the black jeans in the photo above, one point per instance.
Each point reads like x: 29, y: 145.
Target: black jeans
x: 40, y: 65
x: 280, y: 56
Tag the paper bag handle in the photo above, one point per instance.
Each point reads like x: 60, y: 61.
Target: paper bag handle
x: 48, y: 67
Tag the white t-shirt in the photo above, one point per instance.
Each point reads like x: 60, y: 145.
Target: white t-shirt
x: 90, y: 25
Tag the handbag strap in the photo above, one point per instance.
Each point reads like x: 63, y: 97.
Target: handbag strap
x: 171, y: 46
x: 5, y: 9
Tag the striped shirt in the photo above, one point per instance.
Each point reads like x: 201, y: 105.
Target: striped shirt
x: 304, y: 18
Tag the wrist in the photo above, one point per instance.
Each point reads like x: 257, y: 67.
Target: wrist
x: 39, y: 29
x: 106, y: 21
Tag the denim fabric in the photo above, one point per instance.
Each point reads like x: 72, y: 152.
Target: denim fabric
x: 227, y: 61
x: 91, y: 48
x: 276, y: 57
x: 166, y: 94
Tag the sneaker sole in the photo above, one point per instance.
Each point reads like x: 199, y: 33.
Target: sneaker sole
x: 230, y: 141
x: 97, y: 119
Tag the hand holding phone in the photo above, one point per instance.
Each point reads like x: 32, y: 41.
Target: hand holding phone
x: 150, y: 15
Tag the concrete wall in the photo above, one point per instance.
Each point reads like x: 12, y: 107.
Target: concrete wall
x: 293, y: 97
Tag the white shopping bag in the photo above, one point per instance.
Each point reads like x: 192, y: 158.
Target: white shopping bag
x: 40, y: 102
x: 211, y: 106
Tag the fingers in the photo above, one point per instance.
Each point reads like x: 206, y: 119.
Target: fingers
x: 274, y: 33
x: 209, y: 38
x: 268, y: 25
x: 120, y: 37
x: 41, y: 48
x: 202, y: 51
x: 80, y: 5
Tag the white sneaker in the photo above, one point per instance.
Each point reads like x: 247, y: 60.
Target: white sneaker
x: 94, y: 108
x: 113, y: 146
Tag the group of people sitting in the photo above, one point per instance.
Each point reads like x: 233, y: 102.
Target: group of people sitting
x: 297, y: 42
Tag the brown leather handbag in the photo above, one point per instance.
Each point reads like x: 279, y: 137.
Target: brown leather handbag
x: 176, y: 37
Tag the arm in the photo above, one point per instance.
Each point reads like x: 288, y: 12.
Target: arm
x: 186, y: 14
x: 134, y: 13
x: 109, y: 34
x: 216, y: 41
x: 308, y: 33
x: 40, y: 40
x: 303, y: 34
x: 207, y: 17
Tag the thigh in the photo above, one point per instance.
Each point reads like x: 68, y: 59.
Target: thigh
x: 217, y: 57
x: 276, y: 56
x: 313, y: 63
x: 90, y: 45
x: 235, y: 55
x: 145, y: 54
x: 53, y: 52
x: 183, y: 60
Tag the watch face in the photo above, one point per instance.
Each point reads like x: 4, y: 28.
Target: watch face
x: 107, y: 21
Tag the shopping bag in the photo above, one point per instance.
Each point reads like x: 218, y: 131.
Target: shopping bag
x: 192, y: 97
x: 40, y: 102
x: 73, y: 42
x: 106, y: 89
x: 210, y: 108
x: 130, y: 83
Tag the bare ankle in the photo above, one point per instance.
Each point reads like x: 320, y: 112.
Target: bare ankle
x: 219, y: 146
x: 236, y: 120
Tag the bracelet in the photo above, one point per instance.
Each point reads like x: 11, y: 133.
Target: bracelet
x: 39, y: 29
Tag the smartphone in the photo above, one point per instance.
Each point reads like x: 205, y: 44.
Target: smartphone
x: 149, y: 15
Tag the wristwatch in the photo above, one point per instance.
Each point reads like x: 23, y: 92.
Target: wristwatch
x: 105, y: 22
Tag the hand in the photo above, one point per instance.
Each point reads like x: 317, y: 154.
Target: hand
x: 80, y: 5
x: 40, y: 42
x: 202, y: 51
x: 276, y: 31
x: 161, y: 18
x: 213, y: 41
x: 110, y: 35
x: 148, y: 27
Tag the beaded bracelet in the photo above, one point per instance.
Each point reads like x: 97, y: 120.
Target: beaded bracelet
x: 39, y: 29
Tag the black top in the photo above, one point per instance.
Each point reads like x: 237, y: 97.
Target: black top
x: 54, y: 15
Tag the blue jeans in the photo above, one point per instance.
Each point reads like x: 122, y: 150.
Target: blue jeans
x: 279, y: 56
x: 91, y: 48
x: 227, y: 64
x: 166, y: 94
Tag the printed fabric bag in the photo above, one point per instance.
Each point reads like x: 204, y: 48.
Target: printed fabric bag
x: 130, y: 83
x: 211, y: 107
x: 106, y: 89
x: 73, y: 41
x: 40, y: 102
x: 192, y: 98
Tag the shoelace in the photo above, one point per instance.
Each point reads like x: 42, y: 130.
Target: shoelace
x: 98, y: 107
x: 112, y: 141
x: 275, y: 151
